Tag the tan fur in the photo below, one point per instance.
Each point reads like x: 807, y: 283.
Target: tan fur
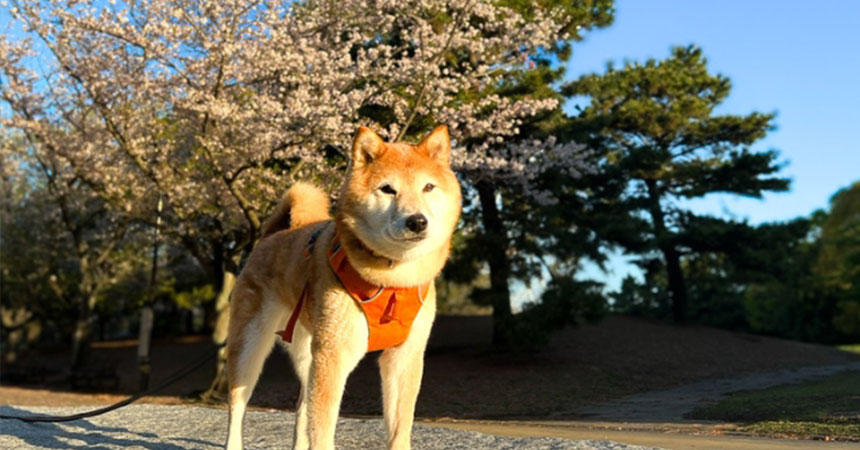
x: 303, y: 204
x: 331, y: 335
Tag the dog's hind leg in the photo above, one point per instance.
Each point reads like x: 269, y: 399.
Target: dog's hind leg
x: 300, y: 354
x: 401, y: 369
x: 251, y: 338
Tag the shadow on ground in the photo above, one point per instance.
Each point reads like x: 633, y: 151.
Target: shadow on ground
x: 163, y: 427
x: 79, y: 433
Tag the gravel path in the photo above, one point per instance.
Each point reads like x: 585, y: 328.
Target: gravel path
x: 670, y: 405
x: 164, y: 427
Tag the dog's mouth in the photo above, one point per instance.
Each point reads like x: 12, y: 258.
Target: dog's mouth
x: 413, y: 237
x: 408, y: 238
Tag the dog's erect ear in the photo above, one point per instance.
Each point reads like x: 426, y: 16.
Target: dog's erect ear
x: 438, y: 145
x: 366, y: 147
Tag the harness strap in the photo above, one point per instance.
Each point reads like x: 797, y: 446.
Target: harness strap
x: 287, y: 333
x: 309, y: 249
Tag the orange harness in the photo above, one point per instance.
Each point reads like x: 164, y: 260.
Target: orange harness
x: 389, y: 310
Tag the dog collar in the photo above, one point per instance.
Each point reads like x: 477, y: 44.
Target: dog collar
x: 368, y: 250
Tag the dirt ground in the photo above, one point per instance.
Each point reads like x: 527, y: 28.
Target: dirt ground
x: 686, y: 436
x: 464, y: 378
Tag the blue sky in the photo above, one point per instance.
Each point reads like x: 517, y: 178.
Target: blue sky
x: 800, y: 59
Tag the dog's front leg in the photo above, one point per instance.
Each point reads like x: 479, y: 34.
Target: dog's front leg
x: 401, y: 369
x: 337, y: 348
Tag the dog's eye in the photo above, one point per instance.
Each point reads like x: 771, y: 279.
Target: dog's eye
x: 429, y: 187
x: 388, y: 189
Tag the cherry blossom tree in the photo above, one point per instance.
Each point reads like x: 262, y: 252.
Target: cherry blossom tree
x: 217, y: 106
x: 62, y: 245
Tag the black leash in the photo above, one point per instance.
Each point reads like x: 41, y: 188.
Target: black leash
x: 170, y: 380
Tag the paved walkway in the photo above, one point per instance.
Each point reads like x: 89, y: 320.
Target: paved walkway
x: 161, y: 427
x: 648, y: 420
x: 649, y: 435
x: 656, y: 418
x: 670, y: 405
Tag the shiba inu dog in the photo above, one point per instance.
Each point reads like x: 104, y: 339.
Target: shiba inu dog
x: 340, y: 288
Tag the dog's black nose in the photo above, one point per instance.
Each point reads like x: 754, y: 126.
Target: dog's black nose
x: 416, y: 223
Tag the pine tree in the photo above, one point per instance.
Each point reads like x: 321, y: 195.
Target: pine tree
x: 656, y: 124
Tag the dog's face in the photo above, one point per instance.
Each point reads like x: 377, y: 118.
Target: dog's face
x: 402, y: 201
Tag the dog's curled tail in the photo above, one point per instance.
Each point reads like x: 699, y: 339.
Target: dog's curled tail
x: 304, y: 203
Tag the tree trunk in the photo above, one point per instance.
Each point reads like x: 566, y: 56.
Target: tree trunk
x: 665, y: 242
x: 500, y: 269
x: 676, y: 284
x: 147, y: 315
x: 83, y: 330
x: 218, y: 389
x: 80, y: 337
x: 144, y: 342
